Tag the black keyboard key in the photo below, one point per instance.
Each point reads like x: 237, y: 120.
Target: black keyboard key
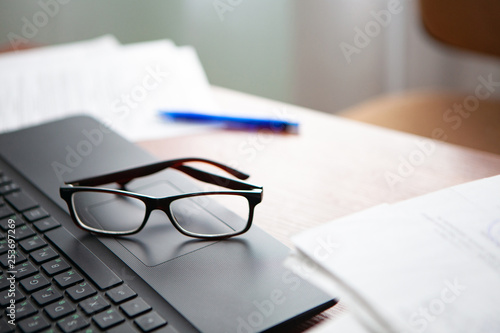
x: 5, y: 327
x: 35, y: 214
x: 23, y: 232
x: 80, y: 291
x: 59, y: 309
x: 2, y: 201
x: 94, y: 304
x: 25, y: 269
x: 24, y: 309
x: 5, y: 211
x: 72, y: 323
x: 34, y: 283
x: 8, y: 259
x: 120, y: 294
x: 5, y: 223
x: 108, y: 319
x: 46, y: 224
x: 124, y: 328
x: 20, y: 201
x: 67, y: 279
x: 33, y: 324
x: 46, y: 296
x: 55, y: 266
x: 4, y: 246
x: 6, y: 296
x: 95, y: 269
x: 9, y: 188
x: 150, y: 322
x: 91, y: 329
x: 10, y: 295
x: 43, y: 255
x: 32, y: 243
x: 5, y: 282
x: 135, y: 307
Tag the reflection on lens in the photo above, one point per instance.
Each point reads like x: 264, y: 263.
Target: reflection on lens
x: 211, y: 214
x: 108, y: 211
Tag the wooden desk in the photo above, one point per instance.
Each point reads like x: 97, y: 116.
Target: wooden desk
x: 332, y: 168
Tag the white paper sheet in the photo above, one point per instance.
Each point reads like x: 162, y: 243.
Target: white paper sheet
x: 123, y: 86
x: 430, y: 264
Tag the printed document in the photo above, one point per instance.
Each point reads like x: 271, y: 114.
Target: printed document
x: 124, y: 86
x: 429, y: 264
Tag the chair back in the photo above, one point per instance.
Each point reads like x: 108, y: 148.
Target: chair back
x: 469, y: 24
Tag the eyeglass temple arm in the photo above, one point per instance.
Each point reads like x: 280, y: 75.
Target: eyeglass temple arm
x: 214, y: 179
x: 125, y: 176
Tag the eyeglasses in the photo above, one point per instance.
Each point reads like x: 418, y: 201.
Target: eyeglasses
x: 204, y: 214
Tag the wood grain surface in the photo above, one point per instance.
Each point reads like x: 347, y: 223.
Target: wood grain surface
x: 332, y: 168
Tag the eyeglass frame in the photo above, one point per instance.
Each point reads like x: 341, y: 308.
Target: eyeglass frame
x: 252, y: 193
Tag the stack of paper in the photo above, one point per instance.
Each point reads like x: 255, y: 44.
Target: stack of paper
x: 430, y: 264
x: 122, y: 85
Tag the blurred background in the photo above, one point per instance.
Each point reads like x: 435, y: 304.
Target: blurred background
x: 300, y: 52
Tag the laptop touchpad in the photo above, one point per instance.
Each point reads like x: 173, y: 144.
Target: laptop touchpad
x: 159, y: 241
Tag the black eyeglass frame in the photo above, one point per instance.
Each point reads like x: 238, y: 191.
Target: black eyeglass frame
x: 252, y: 193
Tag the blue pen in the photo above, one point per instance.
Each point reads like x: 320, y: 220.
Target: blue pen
x: 233, y: 122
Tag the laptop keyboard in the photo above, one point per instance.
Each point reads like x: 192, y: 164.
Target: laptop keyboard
x: 53, y: 293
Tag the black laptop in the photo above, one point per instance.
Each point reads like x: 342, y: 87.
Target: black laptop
x: 158, y: 280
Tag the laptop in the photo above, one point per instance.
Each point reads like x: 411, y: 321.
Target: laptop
x: 157, y: 280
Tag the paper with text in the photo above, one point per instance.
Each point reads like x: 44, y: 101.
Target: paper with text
x: 429, y: 264
x: 123, y: 86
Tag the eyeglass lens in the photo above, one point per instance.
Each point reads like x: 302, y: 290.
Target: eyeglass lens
x: 211, y: 214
